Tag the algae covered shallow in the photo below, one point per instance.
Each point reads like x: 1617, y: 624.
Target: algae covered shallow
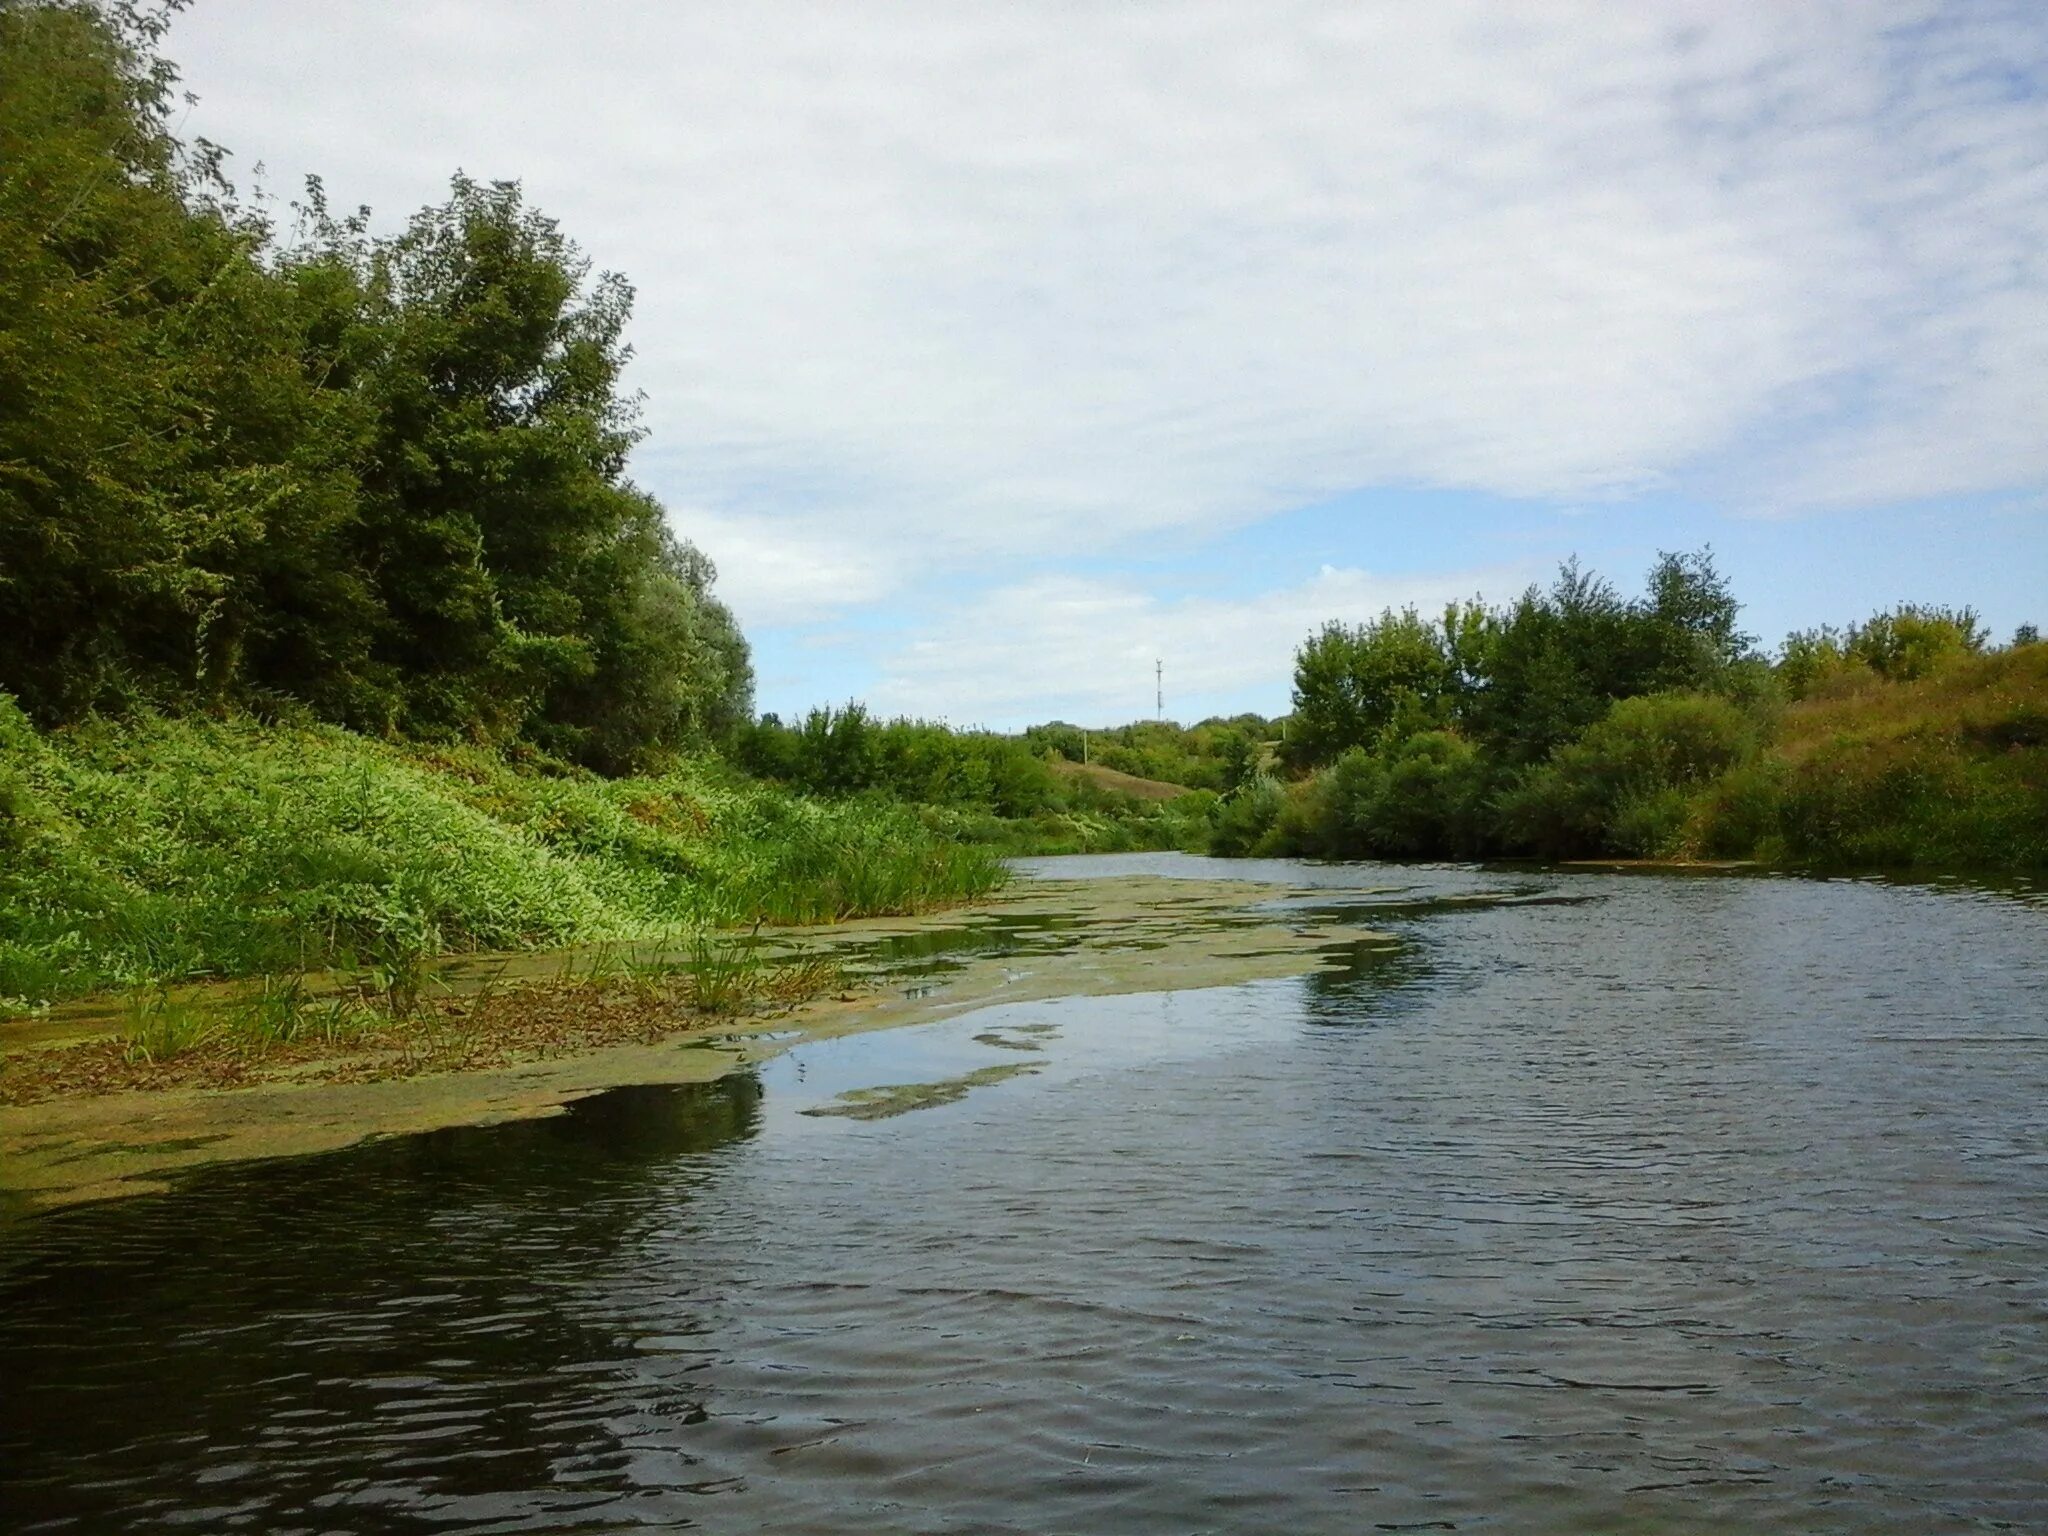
x: 892, y: 1099
x: 1043, y: 937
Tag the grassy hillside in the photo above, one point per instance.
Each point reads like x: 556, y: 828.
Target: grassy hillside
x: 1118, y: 782
x: 1944, y: 770
x: 181, y: 848
x: 1948, y: 770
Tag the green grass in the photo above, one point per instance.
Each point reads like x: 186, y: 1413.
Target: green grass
x: 159, y: 1028
x: 1946, y: 771
x: 163, y: 850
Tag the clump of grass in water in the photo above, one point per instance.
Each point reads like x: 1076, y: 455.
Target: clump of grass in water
x: 398, y: 953
x: 160, y: 1028
x: 723, y: 976
x: 336, y: 1021
x: 803, y: 977
x: 274, y: 1014
x: 603, y: 963
x: 280, y: 1011
x: 720, y: 976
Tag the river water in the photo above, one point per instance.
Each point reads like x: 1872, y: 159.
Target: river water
x: 1634, y: 1204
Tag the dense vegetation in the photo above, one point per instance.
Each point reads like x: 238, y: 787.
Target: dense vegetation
x: 378, y: 482
x: 1019, y: 793
x: 1578, y: 723
x: 260, y: 485
x: 848, y: 751
x: 170, y: 848
x: 1217, y: 754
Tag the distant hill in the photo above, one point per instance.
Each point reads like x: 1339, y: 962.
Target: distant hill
x: 1120, y: 783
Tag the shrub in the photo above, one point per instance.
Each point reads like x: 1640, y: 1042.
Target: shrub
x: 1740, y: 815
x: 1919, y: 799
x: 1428, y: 799
x: 1914, y: 641
x: 1243, y: 820
x: 1621, y: 787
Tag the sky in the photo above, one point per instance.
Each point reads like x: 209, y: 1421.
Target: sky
x: 996, y: 352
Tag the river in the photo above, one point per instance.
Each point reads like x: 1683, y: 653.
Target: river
x: 1630, y: 1203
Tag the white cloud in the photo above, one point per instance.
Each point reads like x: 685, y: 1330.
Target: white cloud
x: 1084, y: 648
x: 784, y: 571
x: 969, y: 281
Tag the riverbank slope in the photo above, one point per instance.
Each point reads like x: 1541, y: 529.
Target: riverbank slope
x: 164, y: 850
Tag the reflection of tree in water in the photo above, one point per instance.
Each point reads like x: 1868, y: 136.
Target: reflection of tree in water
x: 1366, y: 981
x: 384, y: 1338
x: 1374, y: 980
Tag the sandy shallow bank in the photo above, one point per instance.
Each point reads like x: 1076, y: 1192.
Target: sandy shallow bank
x: 1041, y: 938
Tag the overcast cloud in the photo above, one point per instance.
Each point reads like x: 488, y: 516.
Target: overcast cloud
x: 968, y: 289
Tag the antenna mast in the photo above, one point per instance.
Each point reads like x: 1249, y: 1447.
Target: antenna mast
x: 1159, y: 689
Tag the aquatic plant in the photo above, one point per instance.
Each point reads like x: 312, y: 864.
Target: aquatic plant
x: 722, y: 975
x: 275, y: 1013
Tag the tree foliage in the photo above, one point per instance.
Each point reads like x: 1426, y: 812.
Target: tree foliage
x: 381, y: 477
x: 1356, y: 683
x: 1522, y: 680
x: 1623, y: 786
x: 848, y: 751
x: 1901, y: 644
x: 1576, y: 721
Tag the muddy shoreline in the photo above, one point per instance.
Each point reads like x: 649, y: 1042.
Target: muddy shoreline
x: 1040, y: 938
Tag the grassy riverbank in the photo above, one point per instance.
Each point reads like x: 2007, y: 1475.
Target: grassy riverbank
x: 169, y: 849
x: 166, y: 849
x: 1944, y: 771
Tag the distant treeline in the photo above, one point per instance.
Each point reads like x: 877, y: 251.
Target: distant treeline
x: 1572, y: 722
x: 848, y: 751
x: 1578, y: 722
x: 379, y: 481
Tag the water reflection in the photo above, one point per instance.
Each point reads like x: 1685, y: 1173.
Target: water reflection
x: 1643, y: 1204
x: 376, y: 1341
x: 1365, y: 981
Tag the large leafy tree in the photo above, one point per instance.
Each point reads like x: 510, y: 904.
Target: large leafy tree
x: 528, y: 583
x: 383, y: 478
x: 1556, y: 661
x: 1522, y: 680
x: 150, y: 401
x: 1353, y: 683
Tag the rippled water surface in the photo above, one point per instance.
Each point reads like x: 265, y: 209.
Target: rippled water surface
x: 1635, y: 1204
